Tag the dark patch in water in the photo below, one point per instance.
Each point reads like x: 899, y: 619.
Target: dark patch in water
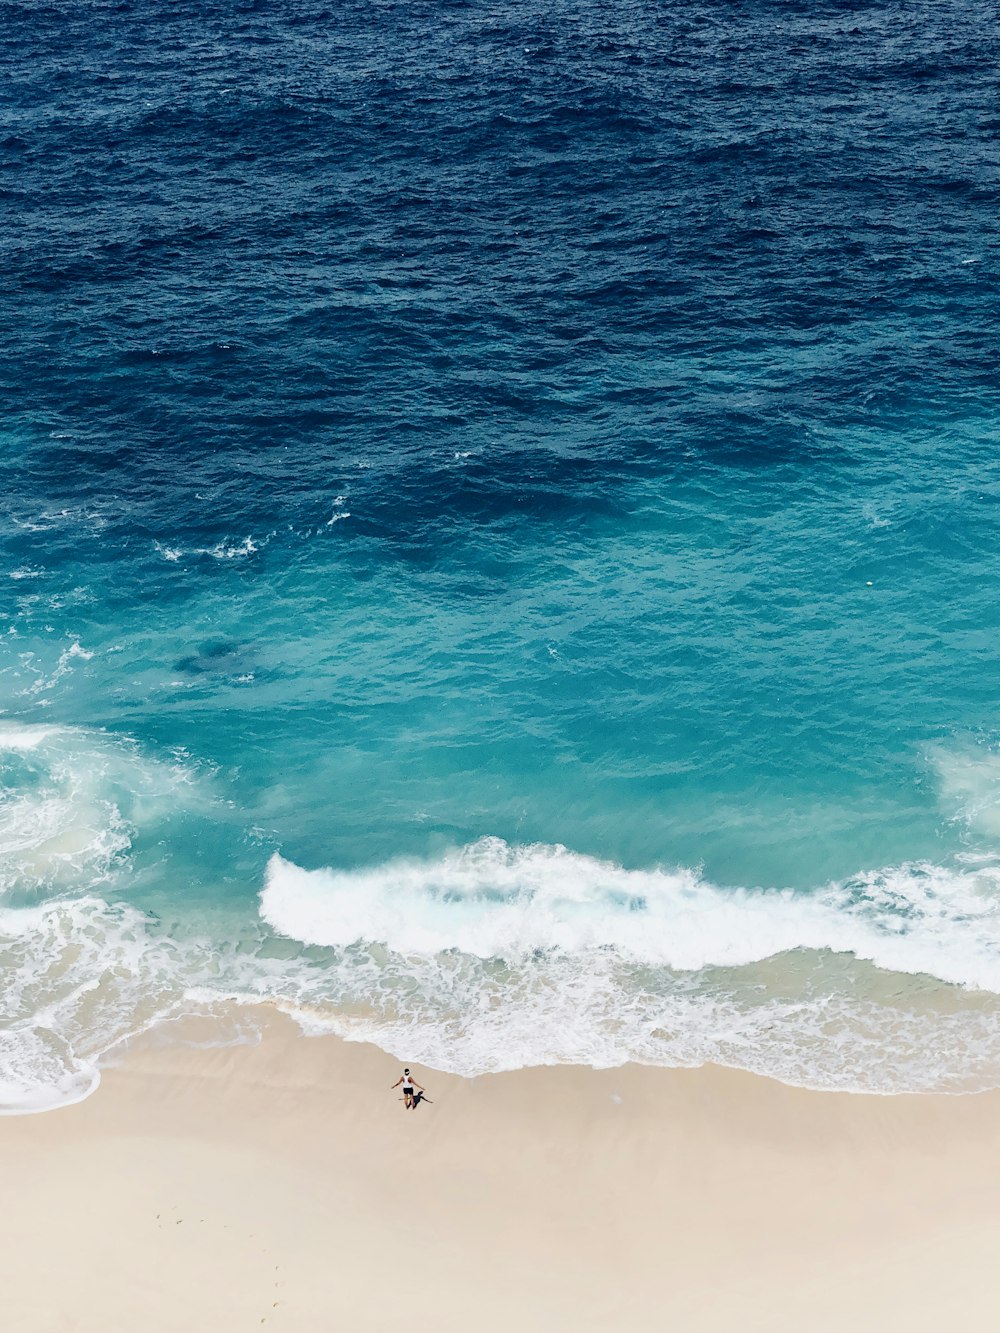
x: 220, y: 656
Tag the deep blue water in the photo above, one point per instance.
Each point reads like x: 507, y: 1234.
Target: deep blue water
x: 565, y: 425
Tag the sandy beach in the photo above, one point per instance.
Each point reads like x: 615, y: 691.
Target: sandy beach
x: 282, y: 1185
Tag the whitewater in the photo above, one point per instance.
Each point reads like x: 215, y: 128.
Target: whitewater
x: 484, y: 957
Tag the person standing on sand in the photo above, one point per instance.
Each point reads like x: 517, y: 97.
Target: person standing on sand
x: 408, y: 1085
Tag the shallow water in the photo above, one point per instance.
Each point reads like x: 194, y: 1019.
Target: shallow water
x: 498, y: 526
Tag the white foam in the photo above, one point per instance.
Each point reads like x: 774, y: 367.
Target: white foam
x: 968, y: 782
x: 488, y: 957
x: 584, y: 1011
x: 491, y: 900
x: 63, y: 667
x: 233, y: 550
x: 78, y: 973
x: 79, y: 976
x: 82, y: 975
x: 16, y: 737
x: 52, y: 839
x: 228, y: 549
x: 38, y: 1072
x: 69, y: 802
x: 57, y: 827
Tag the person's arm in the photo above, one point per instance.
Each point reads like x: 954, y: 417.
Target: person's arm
x: 397, y: 1083
x: 418, y: 1085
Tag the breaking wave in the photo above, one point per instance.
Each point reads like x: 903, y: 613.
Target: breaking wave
x: 485, y: 958
x: 492, y: 900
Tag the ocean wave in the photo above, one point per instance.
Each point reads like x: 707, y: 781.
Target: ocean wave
x: 83, y: 975
x: 491, y: 900
x: 89, y: 975
x: 79, y: 976
x: 484, y: 958
x: 70, y: 801
x: 86, y: 975
x: 58, y: 826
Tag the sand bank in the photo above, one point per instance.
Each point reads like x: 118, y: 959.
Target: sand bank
x: 282, y: 1186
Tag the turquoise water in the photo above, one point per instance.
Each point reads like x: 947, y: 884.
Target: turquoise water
x: 498, y: 526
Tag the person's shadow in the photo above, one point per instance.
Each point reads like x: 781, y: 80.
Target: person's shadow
x: 421, y: 1097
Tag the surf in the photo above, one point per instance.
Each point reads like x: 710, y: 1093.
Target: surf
x: 492, y: 900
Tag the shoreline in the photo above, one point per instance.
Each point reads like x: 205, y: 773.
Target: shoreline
x: 281, y: 1185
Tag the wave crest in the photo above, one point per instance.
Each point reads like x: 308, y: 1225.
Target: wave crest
x: 491, y: 900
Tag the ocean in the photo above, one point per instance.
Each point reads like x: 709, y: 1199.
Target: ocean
x: 499, y: 533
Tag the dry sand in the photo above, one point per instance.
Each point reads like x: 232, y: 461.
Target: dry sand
x: 282, y: 1186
